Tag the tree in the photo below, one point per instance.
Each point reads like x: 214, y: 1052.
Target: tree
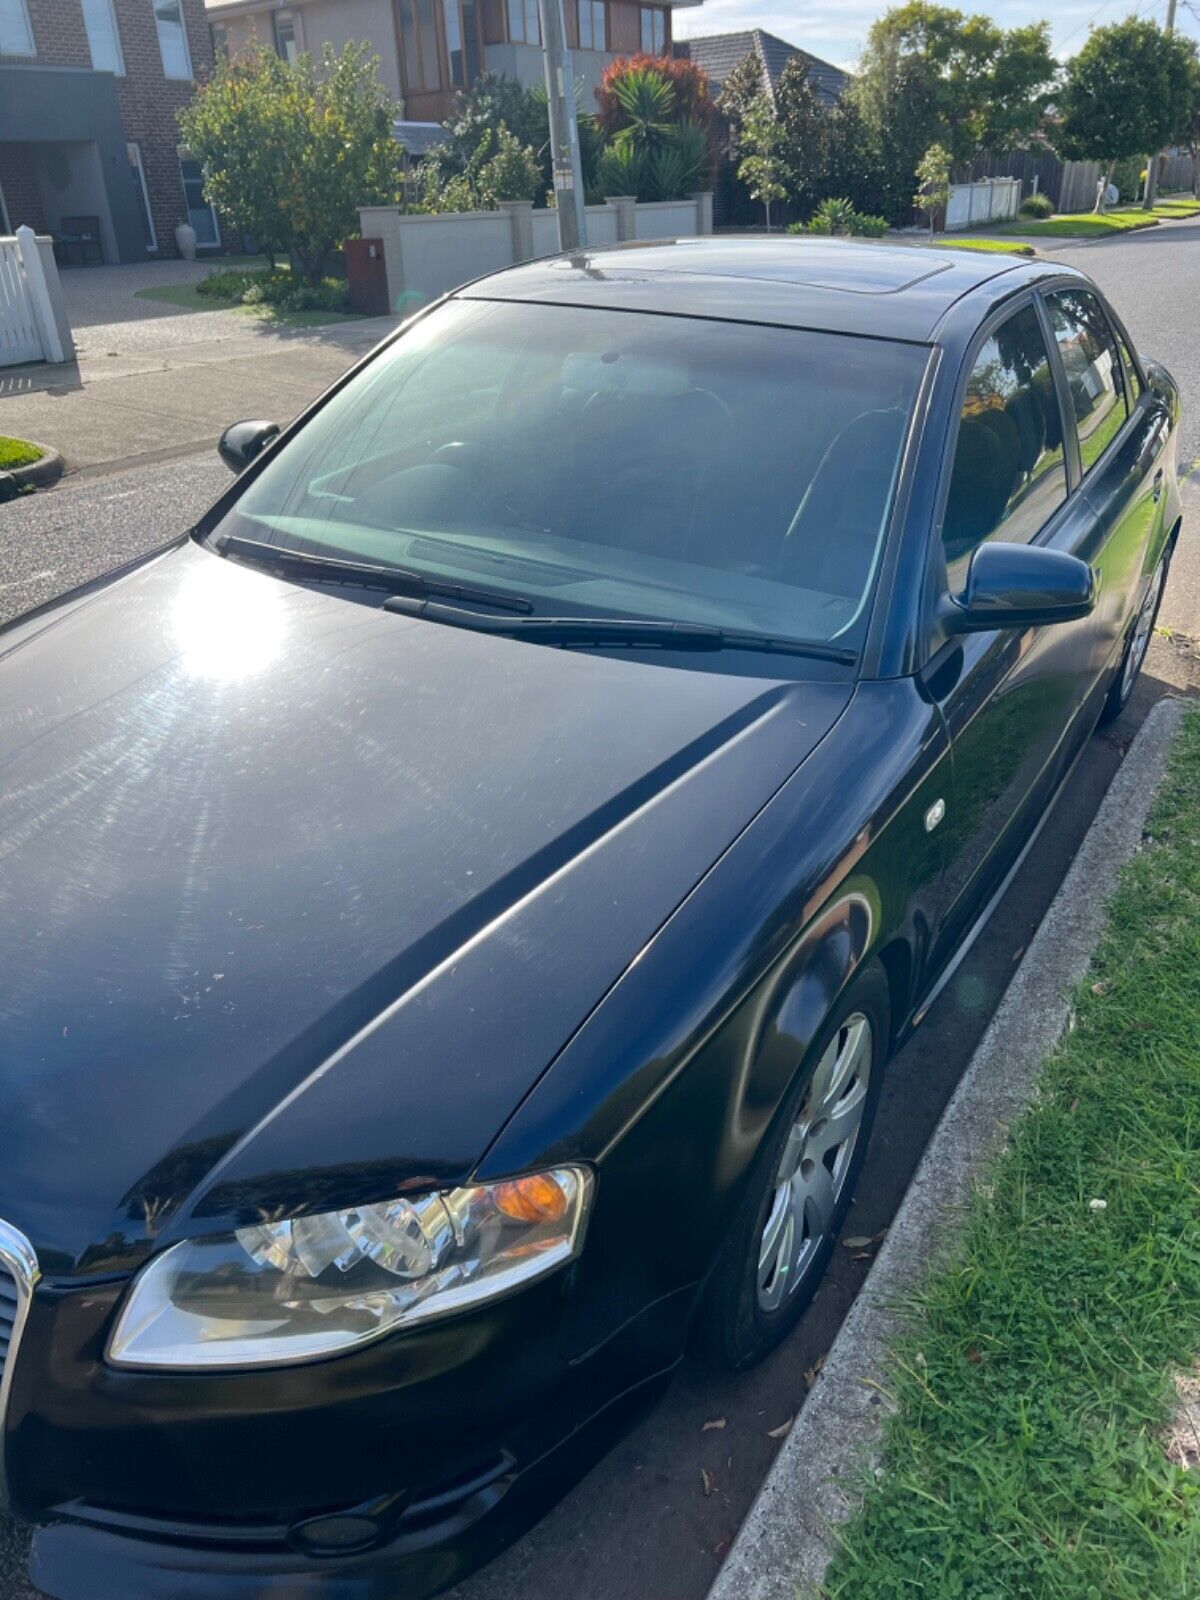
x: 236, y: 129
x: 742, y: 87
x: 761, y: 168
x: 803, y: 144
x: 312, y: 143
x: 931, y: 74
x: 1121, y: 97
x: 933, y: 182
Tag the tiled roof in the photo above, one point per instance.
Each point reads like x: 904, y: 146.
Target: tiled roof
x: 719, y: 53
x: 418, y: 137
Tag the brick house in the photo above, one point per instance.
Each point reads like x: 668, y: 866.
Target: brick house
x: 429, y: 49
x: 88, y: 95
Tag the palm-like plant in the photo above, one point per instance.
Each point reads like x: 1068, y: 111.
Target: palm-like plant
x: 647, y: 102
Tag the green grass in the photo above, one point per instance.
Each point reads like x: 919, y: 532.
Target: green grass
x: 1023, y: 1462
x: 17, y: 453
x: 1084, y: 225
x: 237, y: 272
x: 1000, y: 246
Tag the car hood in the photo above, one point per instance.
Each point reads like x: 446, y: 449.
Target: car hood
x: 298, y: 898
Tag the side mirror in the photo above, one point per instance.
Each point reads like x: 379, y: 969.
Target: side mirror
x: 1021, y: 586
x: 242, y: 441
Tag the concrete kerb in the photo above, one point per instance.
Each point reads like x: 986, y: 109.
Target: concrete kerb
x: 790, y: 1535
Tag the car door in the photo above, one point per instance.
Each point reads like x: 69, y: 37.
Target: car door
x: 1011, y: 697
x: 1122, y: 435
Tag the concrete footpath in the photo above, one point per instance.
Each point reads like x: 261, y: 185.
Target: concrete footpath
x: 130, y: 403
x: 790, y: 1536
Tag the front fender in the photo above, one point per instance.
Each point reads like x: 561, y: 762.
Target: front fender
x: 672, y: 1082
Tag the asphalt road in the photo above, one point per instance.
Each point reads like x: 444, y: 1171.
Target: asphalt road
x: 654, y: 1518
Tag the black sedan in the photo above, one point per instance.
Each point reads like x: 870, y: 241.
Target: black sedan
x: 457, y: 903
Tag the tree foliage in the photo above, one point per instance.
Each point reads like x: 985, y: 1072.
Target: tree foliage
x: 290, y: 152
x: 933, y: 182
x: 690, y: 93
x: 931, y: 74
x: 761, y: 167
x: 742, y: 87
x: 804, y: 134
x: 1125, y: 94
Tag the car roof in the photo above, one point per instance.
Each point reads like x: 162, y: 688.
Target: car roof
x: 835, y: 285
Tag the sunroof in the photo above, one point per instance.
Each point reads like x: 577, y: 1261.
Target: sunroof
x: 819, y: 263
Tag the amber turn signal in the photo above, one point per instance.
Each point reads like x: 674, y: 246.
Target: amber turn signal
x: 537, y: 1198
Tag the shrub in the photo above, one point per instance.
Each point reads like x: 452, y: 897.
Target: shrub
x: 274, y: 287
x: 838, y: 216
x: 1037, y: 205
x: 501, y: 168
x: 688, y: 83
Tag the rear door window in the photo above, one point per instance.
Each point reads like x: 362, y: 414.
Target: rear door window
x: 1009, y: 475
x: 1093, y: 368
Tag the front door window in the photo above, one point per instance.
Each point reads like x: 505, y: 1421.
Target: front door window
x: 200, y: 214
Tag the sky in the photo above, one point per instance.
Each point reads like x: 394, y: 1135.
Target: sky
x: 837, y: 29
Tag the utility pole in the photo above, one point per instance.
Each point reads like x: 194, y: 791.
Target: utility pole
x: 1152, y: 163
x: 564, y: 128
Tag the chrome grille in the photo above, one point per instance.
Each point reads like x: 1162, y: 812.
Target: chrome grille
x: 8, y: 1316
x: 18, y: 1275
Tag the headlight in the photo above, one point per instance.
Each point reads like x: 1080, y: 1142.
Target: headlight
x: 315, y: 1286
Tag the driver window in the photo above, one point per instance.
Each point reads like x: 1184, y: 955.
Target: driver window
x: 1009, y: 474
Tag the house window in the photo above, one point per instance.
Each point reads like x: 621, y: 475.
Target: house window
x: 104, y: 42
x: 200, y: 214
x: 5, y: 223
x: 419, y: 33
x: 141, y: 194
x: 172, y: 40
x: 593, y: 25
x: 284, y: 24
x: 16, y: 36
x: 461, y: 19
x: 654, y: 30
x: 220, y: 40
x: 524, y: 24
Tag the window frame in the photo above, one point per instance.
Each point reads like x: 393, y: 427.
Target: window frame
x: 524, y: 8
x: 119, y: 70
x: 934, y: 586
x: 593, y: 7
x: 133, y: 151
x: 30, y: 54
x: 1119, y: 335
x: 293, y: 19
x: 1132, y: 403
x: 658, y: 19
x: 174, y: 77
x: 182, y: 154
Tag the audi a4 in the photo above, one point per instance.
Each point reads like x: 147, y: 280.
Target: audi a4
x: 458, y: 901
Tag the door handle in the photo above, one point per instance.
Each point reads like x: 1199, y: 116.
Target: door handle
x: 1158, y: 485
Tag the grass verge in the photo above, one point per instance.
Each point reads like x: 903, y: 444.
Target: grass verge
x: 998, y: 246
x: 17, y: 453
x: 1024, y: 1458
x: 1085, y: 225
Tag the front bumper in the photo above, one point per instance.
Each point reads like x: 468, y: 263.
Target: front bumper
x: 430, y: 1451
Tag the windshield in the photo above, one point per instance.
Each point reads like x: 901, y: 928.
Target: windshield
x: 608, y: 464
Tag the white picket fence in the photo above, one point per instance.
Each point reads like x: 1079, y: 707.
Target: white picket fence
x: 989, y: 200
x: 31, y: 318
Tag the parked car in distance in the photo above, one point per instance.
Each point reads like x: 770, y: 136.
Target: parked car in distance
x: 459, y: 900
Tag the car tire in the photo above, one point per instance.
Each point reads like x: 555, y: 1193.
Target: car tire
x: 747, y: 1308
x: 1136, y: 646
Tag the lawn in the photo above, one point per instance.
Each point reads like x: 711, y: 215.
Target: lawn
x: 17, y: 453
x: 1085, y: 225
x: 998, y: 246
x: 187, y: 297
x: 1027, y: 1455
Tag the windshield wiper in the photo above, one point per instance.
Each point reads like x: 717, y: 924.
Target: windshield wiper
x: 634, y: 631
x: 367, y: 574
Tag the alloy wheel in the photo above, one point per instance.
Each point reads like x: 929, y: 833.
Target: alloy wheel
x: 815, y: 1162
x: 1140, y: 642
